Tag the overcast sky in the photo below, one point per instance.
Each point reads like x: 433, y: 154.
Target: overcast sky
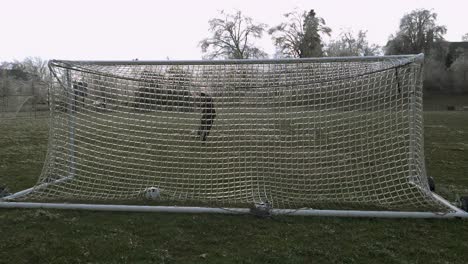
x: 156, y: 30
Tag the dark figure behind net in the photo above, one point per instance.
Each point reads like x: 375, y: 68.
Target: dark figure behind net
x: 208, y: 115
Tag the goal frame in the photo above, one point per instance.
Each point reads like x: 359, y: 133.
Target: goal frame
x: 7, y: 202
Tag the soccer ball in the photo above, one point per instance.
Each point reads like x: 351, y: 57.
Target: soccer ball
x: 152, y: 193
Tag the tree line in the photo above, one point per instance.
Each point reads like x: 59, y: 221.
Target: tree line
x: 301, y: 35
x: 31, y: 68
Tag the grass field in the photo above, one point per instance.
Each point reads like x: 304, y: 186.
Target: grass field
x: 50, y: 236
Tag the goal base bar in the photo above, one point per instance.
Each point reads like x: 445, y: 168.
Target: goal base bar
x: 180, y: 209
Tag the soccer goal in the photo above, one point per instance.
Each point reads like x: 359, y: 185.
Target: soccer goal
x: 318, y: 136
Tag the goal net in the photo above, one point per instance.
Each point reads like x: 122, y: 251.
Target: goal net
x: 302, y: 133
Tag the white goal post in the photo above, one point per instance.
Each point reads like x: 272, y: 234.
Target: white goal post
x: 316, y: 136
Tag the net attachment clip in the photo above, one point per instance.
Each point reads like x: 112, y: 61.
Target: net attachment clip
x: 261, y: 209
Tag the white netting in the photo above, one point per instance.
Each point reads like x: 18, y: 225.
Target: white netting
x: 330, y: 133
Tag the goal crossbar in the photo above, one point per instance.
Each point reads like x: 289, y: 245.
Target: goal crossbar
x: 416, y: 58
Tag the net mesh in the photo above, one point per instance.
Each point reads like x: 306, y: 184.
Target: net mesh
x: 315, y: 133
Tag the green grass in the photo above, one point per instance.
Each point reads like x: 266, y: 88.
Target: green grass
x: 440, y: 102
x: 23, y: 146
x: 446, y: 150
x: 51, y: 236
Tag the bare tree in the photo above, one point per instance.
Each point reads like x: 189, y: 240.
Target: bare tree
x: 465, y: 37
x: 37, y: 67
x: 15, y: 70
x: 418, y: 31
x: 299, y: 36
x: 458, y: 72
x: 233, y: 36
x: 349, y: 45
